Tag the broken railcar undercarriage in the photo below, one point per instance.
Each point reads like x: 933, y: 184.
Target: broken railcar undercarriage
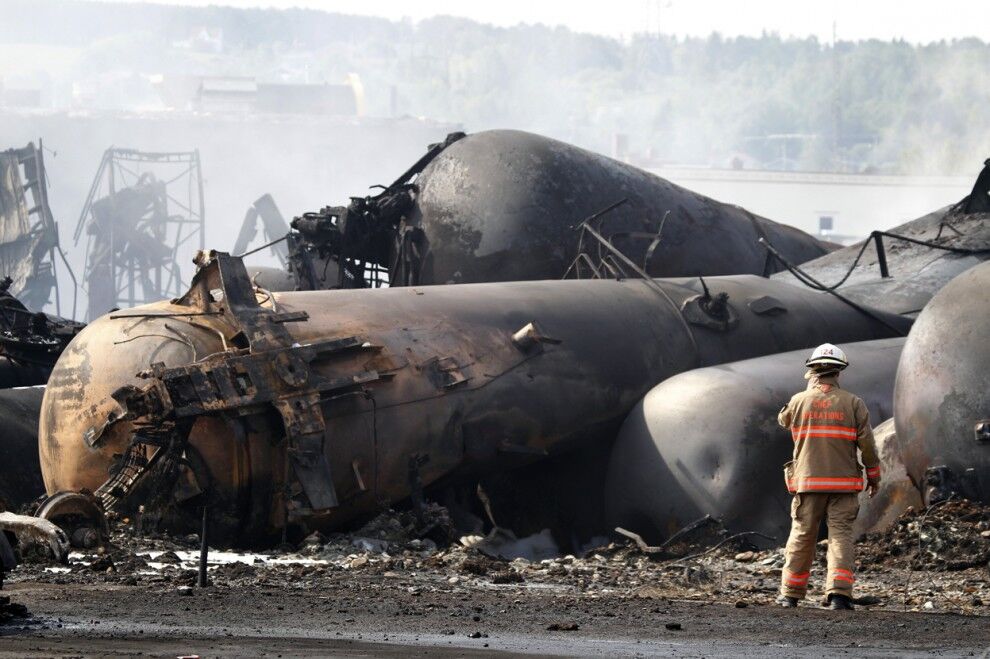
x: 310, y: 408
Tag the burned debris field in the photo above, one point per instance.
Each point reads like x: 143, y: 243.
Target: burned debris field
x: 384, y: 584
x: 461, y: 391
x: 301, y: 459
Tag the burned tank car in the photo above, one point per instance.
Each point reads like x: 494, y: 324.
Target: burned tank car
x: 707, y: 442
x: 18, y: 374
x: 942, y: 393
x: 310, y: 408
x: 948, y: 242
x: 501, y: 205
x: 20, y: 480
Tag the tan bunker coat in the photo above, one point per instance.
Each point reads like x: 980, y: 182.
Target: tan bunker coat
x: 828, y: 426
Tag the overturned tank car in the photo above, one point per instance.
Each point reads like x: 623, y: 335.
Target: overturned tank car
x: 706, y: 442
x: 942, y: 397
x: 20, y: 482
x: 503, y: 205
x: 711, y: 433
x: 899, y: 270
x: 306, y: 409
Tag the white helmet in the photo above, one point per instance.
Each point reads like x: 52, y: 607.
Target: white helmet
x: 828, y: 355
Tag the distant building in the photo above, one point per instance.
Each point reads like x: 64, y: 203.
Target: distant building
x: 841, y: 208
x: 234, y: 94
x: 287, y: 98
x: 19, y: 98
x: 202, y: 40
x: 226, y: 94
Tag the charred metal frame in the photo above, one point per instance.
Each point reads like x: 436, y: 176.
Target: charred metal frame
x: 121, y: 169
x: 704, y: 310
x: 43, y: 280
x: 611, y: 262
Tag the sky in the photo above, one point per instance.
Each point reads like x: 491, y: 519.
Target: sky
x: 917, y: 21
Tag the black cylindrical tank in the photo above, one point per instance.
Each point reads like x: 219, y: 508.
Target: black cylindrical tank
x: 706, y: 442
x: 18, y: 374
x: 20, y: 466
x: 500, y: 206
x: 943, y: 383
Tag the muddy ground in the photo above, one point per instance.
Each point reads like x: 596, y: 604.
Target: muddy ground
x: 383, y: 592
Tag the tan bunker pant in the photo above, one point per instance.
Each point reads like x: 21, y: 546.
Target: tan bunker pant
x: 807, y: 511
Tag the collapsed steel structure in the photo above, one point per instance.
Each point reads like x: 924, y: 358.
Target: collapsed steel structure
x: 28, y: 232
x: 143, y: 210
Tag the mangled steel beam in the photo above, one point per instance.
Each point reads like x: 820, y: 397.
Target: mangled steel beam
x: 941, y: 399
x: 310, y: 408
x: 706, y: 442
x: 501, y: 205
x: 273, y: 225
x: 275, y: 231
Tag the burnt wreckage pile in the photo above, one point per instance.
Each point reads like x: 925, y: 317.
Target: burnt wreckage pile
x: 284, y: 413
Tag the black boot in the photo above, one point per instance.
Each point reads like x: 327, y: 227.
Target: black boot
x: 789, y: 602
x: 838, y: 602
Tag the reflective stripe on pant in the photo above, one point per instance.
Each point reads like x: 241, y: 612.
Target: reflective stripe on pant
x: 807, y: 511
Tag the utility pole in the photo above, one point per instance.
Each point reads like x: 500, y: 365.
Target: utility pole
x: 836, y: 105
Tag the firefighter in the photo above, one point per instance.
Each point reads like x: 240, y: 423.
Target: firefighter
x: 828, y: 425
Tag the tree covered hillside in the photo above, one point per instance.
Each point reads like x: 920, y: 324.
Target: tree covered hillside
x: 767, y: 102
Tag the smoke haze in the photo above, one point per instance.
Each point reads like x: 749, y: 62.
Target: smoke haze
x: 313, y: 107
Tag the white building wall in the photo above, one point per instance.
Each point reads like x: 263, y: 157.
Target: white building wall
x: 859, y: 203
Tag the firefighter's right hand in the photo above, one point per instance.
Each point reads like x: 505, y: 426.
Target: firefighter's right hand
x: 872, y: 487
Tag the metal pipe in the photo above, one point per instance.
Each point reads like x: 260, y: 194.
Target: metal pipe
x: 204, y: 547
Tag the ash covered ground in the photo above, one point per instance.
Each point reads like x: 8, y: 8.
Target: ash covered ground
x: 401, y: 585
